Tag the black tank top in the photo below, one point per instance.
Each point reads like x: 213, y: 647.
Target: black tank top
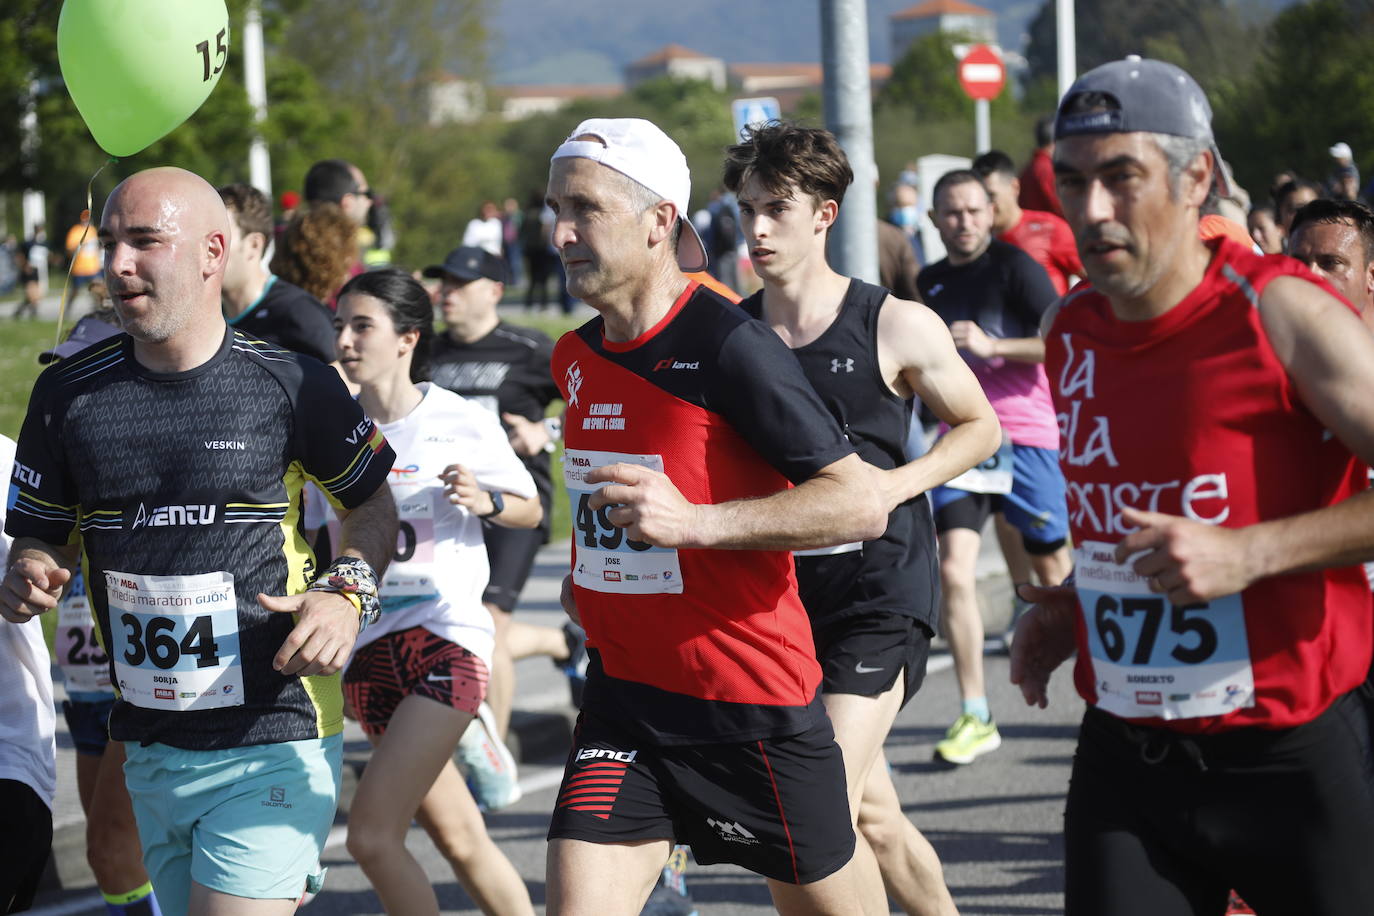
x: 896, y: 573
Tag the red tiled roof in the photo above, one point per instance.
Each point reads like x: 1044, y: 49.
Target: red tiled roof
x: 940, y: 8
x: 667, y: 53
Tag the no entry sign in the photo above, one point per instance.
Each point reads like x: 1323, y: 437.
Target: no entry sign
x: 982, y: 74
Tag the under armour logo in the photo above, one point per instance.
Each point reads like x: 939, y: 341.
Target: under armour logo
x: 847, y: 365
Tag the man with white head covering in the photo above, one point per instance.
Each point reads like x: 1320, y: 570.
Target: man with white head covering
x: 697, y: 455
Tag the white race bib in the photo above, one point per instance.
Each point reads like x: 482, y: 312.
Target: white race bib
x: 991, y: 476
x: 410, y: 576
x: 608, y: 561
x: 84, y: 664
x: 176, y: 640
x: 1152, y: 658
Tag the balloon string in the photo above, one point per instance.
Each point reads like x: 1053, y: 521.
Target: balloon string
x: 86, y: 231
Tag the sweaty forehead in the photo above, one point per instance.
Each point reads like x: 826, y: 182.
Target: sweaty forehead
x: 1327, y: 239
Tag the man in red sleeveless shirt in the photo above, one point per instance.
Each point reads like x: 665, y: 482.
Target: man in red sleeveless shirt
x: 1214, y: 448
x: 1041, y: 234
x: 696, y: 455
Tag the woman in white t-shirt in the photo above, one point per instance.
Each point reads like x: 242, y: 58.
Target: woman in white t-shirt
x: 419, y: 673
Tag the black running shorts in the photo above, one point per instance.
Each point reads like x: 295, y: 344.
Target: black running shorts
x: 864, y: 654
x: 1160, y: 823
x: 510, y: 553
x: 776, y: 807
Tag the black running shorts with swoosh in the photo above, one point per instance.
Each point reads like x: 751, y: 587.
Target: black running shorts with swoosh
x: 775, y: 806
x: 864, y: 655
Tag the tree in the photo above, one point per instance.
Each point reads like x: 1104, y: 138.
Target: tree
x: 1209, y: 38
x: 1311, y: 87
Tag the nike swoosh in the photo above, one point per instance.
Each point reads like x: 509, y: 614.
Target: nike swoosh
x: 861, y: 668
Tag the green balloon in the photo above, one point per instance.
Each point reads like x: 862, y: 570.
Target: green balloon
x: 136, y: 69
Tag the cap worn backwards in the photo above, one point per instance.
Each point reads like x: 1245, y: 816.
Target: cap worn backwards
x: 1145, y: 95
x: 639, y: 150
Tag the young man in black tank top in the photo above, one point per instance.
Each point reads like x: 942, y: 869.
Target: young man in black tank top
x: 873, y: 605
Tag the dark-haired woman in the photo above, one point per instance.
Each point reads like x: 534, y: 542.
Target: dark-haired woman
x: 419, y: 674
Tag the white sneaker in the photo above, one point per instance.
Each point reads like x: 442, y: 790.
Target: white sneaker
x: 487, y: 763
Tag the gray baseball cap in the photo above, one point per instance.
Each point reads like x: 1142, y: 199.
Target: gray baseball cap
x: 1144, y: 95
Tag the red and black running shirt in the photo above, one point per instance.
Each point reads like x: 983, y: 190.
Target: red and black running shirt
x: 716, y: 646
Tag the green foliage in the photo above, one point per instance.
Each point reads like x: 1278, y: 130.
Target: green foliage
x: 1311, y: 87
x: 1209, y: 38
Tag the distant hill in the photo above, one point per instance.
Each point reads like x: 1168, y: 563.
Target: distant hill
x: 553, y: 41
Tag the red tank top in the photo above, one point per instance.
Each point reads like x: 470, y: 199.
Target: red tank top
x: 1192, y: 414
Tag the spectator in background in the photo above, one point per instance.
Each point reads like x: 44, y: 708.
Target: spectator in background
x: 84, y: 251
x: 288, y: 202
x: 535, y: 226
x: 510, y: 239
x: 318, y: 251
x: 723, y: 239
x: 1040, y: 234
x: 336, y: 181
x: 380, y: 236
x: 897, y: 264
x: 906, y: 214
x: 1265, y: 230
x: 33, y: 272
x: 1037, y: 178
x: 1344, y: 181
x: 485, y: 231
x: 1291, y: 197
x: 258, y: 302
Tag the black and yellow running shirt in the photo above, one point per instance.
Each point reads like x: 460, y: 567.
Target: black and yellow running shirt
x: 184, y: 491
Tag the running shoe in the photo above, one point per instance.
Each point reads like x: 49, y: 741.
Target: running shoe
x: 967, y: 738
x: 1238, y: 907
x: 576, y: 665
x: 670, y: 897
x: 487, y: 763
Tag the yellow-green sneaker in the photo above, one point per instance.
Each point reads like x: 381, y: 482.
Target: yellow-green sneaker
x: 968, y: 738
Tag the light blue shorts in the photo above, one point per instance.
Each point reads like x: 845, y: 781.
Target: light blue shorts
x: 249, y: 821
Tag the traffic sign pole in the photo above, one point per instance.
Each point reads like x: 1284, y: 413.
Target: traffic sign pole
x: 982, y: 75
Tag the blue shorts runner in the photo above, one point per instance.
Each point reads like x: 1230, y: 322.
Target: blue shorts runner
x: 1035, y: 506
x: 248, y: 821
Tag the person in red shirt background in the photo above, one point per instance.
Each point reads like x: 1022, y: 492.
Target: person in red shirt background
x: 1041, y: 234
x: 1037, y: 178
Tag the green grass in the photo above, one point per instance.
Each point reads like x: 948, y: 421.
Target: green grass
x: 20, y: 344
x: 555, y: 327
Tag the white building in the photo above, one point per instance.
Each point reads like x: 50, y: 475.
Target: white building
x: 940, y: 16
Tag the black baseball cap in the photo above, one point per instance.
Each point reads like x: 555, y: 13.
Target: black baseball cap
x: 87, y: 331
x: 469, y: 263
x: 1149, y: 96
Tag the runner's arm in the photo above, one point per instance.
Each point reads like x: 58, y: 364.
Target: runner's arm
x: 916, y: 352
x: 368, y: 530
x: 968, y: 336
x: 36, y: 575
x: 841, y: 502
x: 462, y: 488
x: 1329, y: 355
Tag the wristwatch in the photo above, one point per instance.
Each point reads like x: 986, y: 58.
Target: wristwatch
x: 498, y: 504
